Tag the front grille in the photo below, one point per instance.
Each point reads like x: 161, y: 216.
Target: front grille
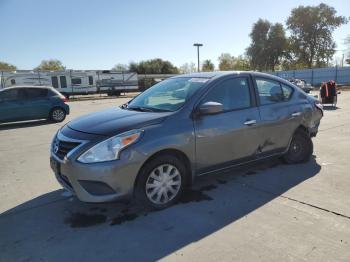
x: 62, y: 148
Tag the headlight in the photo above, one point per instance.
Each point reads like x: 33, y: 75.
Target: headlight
x: 109, y: 149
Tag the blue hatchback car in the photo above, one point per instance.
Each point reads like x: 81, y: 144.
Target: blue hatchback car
x: 23, y: 103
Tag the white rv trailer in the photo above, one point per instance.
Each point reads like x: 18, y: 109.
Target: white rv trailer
x: 74, y: 82
x: 115, y: 82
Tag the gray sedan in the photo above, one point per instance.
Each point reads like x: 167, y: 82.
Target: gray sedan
x: 186, y: 126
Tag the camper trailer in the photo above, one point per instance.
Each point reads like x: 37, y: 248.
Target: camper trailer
x: 114, y: 83
x: 74, y: 82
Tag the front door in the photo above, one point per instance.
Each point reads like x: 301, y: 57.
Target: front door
x: 225, y: 138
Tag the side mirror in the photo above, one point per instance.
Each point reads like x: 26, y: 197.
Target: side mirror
x: 210, y: 108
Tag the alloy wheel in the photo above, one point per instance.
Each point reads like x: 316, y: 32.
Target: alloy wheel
x: 58, y: 115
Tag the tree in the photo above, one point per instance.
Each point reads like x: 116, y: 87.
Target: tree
x: 120, y: 67
x: 268, y: 43
x: 311, y: 29
x: 7, y: 67
x: 153, y: 66
x: 257, y: 51
x: 276, y: 45
x: 51, y: 64
x: 226, y: 62
x: 241, y: 64
x: 208, y: 66
x: 133, y: 67
x: 188, y: 68
x: 347, y: 42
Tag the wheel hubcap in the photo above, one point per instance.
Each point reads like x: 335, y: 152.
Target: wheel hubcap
x: 163, y: 184
x: 57, y: 114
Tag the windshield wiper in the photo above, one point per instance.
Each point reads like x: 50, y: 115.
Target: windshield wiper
x: 147, y: 109
x: 140, y: 108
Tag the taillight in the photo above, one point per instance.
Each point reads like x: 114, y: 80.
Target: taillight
x: 64, y: 99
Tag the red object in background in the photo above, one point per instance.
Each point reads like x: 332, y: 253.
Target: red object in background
x: 328, y: 92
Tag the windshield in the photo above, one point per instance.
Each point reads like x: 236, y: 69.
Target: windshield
x: 168, y: 95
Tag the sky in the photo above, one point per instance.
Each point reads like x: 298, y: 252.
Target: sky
x: 99, y: 34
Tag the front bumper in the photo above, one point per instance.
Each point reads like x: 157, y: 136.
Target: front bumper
x: 97, y: 182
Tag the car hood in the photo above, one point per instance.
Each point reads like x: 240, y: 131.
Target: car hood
x: 115, y: 121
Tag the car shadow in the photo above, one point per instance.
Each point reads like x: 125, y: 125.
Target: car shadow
x: 25, y: 124
x: 57, y: 227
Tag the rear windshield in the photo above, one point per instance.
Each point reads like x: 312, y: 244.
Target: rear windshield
x: 53, y: 92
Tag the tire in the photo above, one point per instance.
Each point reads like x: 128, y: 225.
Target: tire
x: 161, y: 178
x: 300, y: 148
x: 57, y: 115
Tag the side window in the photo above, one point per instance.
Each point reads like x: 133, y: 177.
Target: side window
x: 76, y: 81
x: 35, y: 93
x: 287, y: 92
x: 63, y: 81
x: 54, y: 81
x: 10, y: 95
x: 233, y: 94
x: 269, y: 91
x: 91, y: 80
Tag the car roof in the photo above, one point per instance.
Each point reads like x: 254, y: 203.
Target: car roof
x: 208, y: 74
x: 218, y: 74
x: 20, y: 87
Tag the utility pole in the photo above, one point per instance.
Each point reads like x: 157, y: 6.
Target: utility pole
x: 198, y: 45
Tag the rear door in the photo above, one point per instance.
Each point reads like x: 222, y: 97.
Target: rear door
x: 233, y: 135
x: 37, y: 103
x: 276, y: 119
x: 12, y: 105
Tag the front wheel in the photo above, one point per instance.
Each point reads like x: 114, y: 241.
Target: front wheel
x: 57, y: 115
x: 161, y: 182
x: 300, y: 148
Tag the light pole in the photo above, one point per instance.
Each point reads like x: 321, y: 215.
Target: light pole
x: 198, y: 45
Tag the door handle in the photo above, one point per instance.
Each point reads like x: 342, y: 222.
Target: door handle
x: 250, y: 122
x: 295, y: 114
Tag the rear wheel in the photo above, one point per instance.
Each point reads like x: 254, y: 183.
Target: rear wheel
x: 300, y: 148
x: 161, y: 182
x: 57, y: 114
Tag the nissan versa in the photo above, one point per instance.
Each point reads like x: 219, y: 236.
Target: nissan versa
x: 186, y: 126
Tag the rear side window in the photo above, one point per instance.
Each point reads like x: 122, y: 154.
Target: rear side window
x: 76, y: 81
x: 63, y: 81
x: 10, y: 95
x: 33, y: 93
x: 54, y: 81
x: 233, y: 94
x: 269, y: 91
x: 287, y: 92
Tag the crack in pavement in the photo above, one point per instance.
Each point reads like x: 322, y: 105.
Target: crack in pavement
x: 330, y: 128
x: 295, y: 200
